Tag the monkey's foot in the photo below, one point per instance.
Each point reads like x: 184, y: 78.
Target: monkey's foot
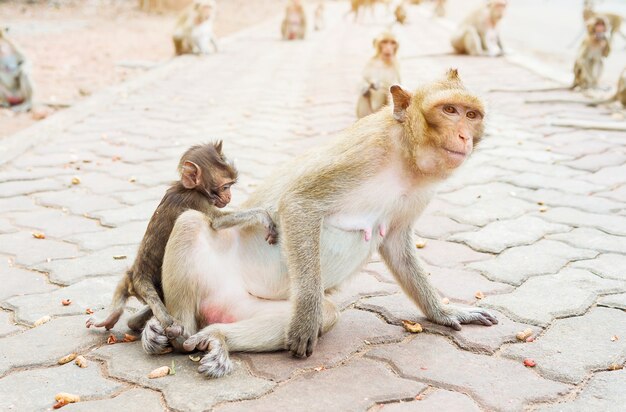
x: 174, y: 330
x: 302, y: 336
x: 455, y: 317
x: 153, y: 338
x: 216, y: 363
x: 108, y: 323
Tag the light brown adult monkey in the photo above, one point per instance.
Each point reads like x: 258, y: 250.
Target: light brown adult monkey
x: 16, y: 89
x: 400, y: 13
x: 293, y: 26
x: 193, y: 32
x: 382, y: 71
x: 206, y: 177
x: 478, y: 34
x: 380, y: 173
x: 152, y: 5
x: 319, y: 20
x: 591, y: 54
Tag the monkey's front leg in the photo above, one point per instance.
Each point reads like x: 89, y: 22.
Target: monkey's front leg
x: 247, y: 218
x: 398, y: 252
x: 301, y: 232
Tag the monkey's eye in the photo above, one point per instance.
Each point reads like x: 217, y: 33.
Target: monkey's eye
x: 472, y: 114
x: 449, y: 109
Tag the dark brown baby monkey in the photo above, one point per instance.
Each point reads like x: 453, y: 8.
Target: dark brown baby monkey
x: 205, y: 182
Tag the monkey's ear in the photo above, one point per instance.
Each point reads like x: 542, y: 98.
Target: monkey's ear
x: 401, y: 100
x: 191, y: 175
x: 218, y: 146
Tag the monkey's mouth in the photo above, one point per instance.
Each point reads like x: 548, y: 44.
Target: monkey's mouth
x: 455, y: 154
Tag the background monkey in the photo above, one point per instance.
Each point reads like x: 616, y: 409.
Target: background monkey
x: 440, y: 8
x: 381, y: 171
x: 379, y: 74
x: 614, y: 20
x: 193, y: 32
x: 319, y: 17
x: 478, y: 34
x: 590, y: 59
x: 206, y: 178
x: 620, y: 93
x: 294, y: 24
x: 400, y: 13
x: 16, y: 90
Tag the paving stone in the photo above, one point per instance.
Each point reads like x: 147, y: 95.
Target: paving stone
x: 517, y: 264
x: 45, y: 344
x: 612, y: 224
x: 100, y: 263
x: 489, y: 191
x: 497, y: 236
x: 618, y: 193
x: 604, y: 392
x: 56, y: 224
x: 364, y: 382
x: 608, y: 265
x: 355, y: 330
x: 21, y: 174
x: 483, y: 212
x: 6, y: 226
x: 11, y: 189
x: 176, y: 388
x: 31, y: 390
x: 573, y: 347
x: 16, y: 281
x: 495, y: 383
x: 537, y: 181
x: 596, y: 161
x: 439, y: 227
x: 102, y: 184
x: 534, y: 302
x: 93, y: 293
x: 609, y: 176
x: 361, y: 285
x: 439, y: 400
x: 18, y: 203
x: 475, y: 176
x: 29, y: 251
x: 116, y: 217
x: 547, y: 169
x: 617, y: 301
x: 78, y: 200
x: 592, y: 239
x: 133, y: 400
x: 552, y: 198
x: 129, y: 234
x: 7, y: 325
x: 449, y: 254
x: 477, y: 338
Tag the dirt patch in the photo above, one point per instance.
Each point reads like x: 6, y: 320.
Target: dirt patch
x: 76, y: 48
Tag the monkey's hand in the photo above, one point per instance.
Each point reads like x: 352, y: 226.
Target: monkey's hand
x: 305, y: 328
x: 455, y: 317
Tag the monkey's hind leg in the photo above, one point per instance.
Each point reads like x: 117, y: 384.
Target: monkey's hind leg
x: 120, y: 296
x: 139, y: 319
x: 471, y: 42
x: 148, y: 292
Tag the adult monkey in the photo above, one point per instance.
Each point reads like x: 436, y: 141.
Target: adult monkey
x: 381, y: 71
x: 381, y: 172
x: 478, y: 34
x: 16, y: 90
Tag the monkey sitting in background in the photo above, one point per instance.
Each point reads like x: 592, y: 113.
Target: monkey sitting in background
x: 206, y: 179
x: 380, y: 172
x: 319, y: 17
x: 614, y: 20
x: 193, y: 32
x: 294, y: 24
x: 590, y: 59
x: 400, y: 13
x: 16, y: 90
x: 379, y: 74
x: 478, y: 34
x: 619, y: 95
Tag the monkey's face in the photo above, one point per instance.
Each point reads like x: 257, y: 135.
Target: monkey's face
x: 204, y: 13
x: 221, y: 193
x: 497, y: 11
x: 387, y: 48
x: 454, y: 129
x: 599, y: 31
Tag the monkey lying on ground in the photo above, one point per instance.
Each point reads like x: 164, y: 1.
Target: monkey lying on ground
x: 206, y: 178
x: 16, y: 90
x: 379, y: 74
x: 294, y: 24
x: 381, y: 171
x: 478, y: 34
x: 193, y: 32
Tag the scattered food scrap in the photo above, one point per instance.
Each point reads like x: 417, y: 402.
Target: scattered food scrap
x: 67, y: 358
x: 411, y: 326
x: 81, y: 361
x: 42, y: 320
x: 159, y: 372
x: 39, y: 235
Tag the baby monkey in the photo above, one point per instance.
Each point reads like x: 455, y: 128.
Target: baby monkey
x: 206, y: 179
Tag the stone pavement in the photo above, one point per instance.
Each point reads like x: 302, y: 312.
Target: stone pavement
x: 536, y: 222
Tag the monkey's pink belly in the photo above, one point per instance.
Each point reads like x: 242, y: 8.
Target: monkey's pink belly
x: 216, y: 314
